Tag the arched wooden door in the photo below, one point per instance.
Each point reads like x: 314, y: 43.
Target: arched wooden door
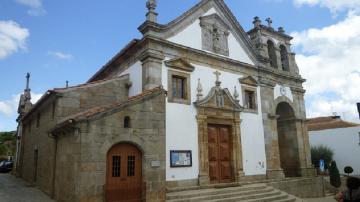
x: 123, y: 176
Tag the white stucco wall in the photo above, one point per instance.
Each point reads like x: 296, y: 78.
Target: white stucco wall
x: 191, y: 37
x: 135, y: 74
x: 181, y: 126
x: 288, y: 93
x: 345, y: 143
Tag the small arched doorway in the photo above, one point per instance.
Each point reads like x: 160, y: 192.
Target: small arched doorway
x: 123, y: 173
x: 288, y: 142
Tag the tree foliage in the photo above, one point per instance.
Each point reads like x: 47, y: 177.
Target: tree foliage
x: 334, y: 175
x: 348, y: 170
x: 7, y: 144
x: 321, y: 152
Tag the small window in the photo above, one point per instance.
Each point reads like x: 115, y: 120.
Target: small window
x: 116, y: 163
x: 127, y: 122
x: 38, y: 120
x: 250, y: 99
x: 131, y: 166
x: 179, y: 87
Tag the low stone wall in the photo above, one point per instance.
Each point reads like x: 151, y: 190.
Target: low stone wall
x: 301, y: 187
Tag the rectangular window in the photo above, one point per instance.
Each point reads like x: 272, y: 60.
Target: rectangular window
x: 179, y: 87
x: 116, y: 163
x: 249, y: 99
x: 131, y: 166
x: 38, y: 120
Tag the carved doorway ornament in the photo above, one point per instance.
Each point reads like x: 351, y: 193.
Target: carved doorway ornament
x: 219, y: 108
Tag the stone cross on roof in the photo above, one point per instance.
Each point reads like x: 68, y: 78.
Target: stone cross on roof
x: 217, y: 74
x: 27, y: 80
x: 27, y: 93
x: 151, y: 14
x: 269, y: 21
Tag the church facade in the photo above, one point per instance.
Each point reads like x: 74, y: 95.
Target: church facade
x: 194, y: 102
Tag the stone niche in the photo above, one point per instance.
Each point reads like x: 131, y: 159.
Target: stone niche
x: 214, y: 34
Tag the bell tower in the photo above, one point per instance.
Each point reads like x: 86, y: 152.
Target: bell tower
x: 273, y: 46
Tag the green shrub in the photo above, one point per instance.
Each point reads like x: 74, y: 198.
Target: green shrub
x: 348, y: 170
x: 334, y: 175
x: 321, y: 152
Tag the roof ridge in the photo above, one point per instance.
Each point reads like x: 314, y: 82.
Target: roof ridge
x: 87, y: 113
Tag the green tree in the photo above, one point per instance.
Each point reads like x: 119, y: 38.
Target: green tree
x: 348, y: 170
x: 334, y: 175
x: 6, y: 148
x: 321, y: 152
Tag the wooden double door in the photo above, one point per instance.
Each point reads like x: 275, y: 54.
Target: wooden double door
x: 123, y: 176
x: 220, y: 152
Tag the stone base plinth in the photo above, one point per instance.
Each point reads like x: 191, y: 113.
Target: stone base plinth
x: 308, y: 172
x: 204, y: 180
x: 275, y: 174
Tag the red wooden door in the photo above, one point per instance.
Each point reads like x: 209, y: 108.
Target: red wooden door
x: 219, y: 140
x: 123, y: 176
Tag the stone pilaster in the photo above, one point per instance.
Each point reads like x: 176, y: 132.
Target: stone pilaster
x: 151, y: 69
x: 273, y: 168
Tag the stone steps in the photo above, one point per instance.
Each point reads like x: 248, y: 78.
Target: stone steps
x: 247, y: 193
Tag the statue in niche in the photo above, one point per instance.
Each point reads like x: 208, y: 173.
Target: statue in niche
x: 219, y: 97
x: 214, y: 34
x: 216, y: 40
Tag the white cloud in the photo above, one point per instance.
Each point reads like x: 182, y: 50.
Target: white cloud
x: 333, y: 5
x: 12, y: 38
x: 329, y: 61
x: 35, y: 7
x: 61, y: 55
x: 8, y: 108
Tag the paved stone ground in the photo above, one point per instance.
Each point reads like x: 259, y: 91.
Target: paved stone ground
x: 14, y: 189
x: 326, y: 199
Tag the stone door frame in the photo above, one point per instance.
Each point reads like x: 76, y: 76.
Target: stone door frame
x: 217, y: 116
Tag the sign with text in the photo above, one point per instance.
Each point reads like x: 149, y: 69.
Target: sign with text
x: 180, y: 158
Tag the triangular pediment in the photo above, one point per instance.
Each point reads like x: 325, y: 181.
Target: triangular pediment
x: 216, y: 19
x: 249, y: 80
x: 180, y: 64
x: 182, y: 28
x: 219, y: 98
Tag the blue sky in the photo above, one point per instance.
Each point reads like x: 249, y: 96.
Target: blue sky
x: 70, y: 40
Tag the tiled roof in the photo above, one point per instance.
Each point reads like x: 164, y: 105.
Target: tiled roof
x: 329, y: 122
x: 84, y: 115
x: 50, y: 92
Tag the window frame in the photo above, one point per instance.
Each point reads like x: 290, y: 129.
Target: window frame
x: 245, y: 89
x: 186, y: 88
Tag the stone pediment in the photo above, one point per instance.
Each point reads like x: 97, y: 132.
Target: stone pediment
x: 215, y: 20
x: 219, y: 98
x: 180, y: 64
x: 251, y: 81
x: 215, y: 34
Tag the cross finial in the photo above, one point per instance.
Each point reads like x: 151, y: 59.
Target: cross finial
x: 217, y: 74
x: 67, y: 84
x: 269, y: 21
x: 27, y: 80
x: 151, y: 14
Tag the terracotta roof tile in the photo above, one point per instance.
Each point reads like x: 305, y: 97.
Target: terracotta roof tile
x: 104, y: 108
x: 329, y: 122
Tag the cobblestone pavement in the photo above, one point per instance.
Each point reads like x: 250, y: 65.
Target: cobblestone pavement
x: 14, y: 189
x: 325, y: 199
